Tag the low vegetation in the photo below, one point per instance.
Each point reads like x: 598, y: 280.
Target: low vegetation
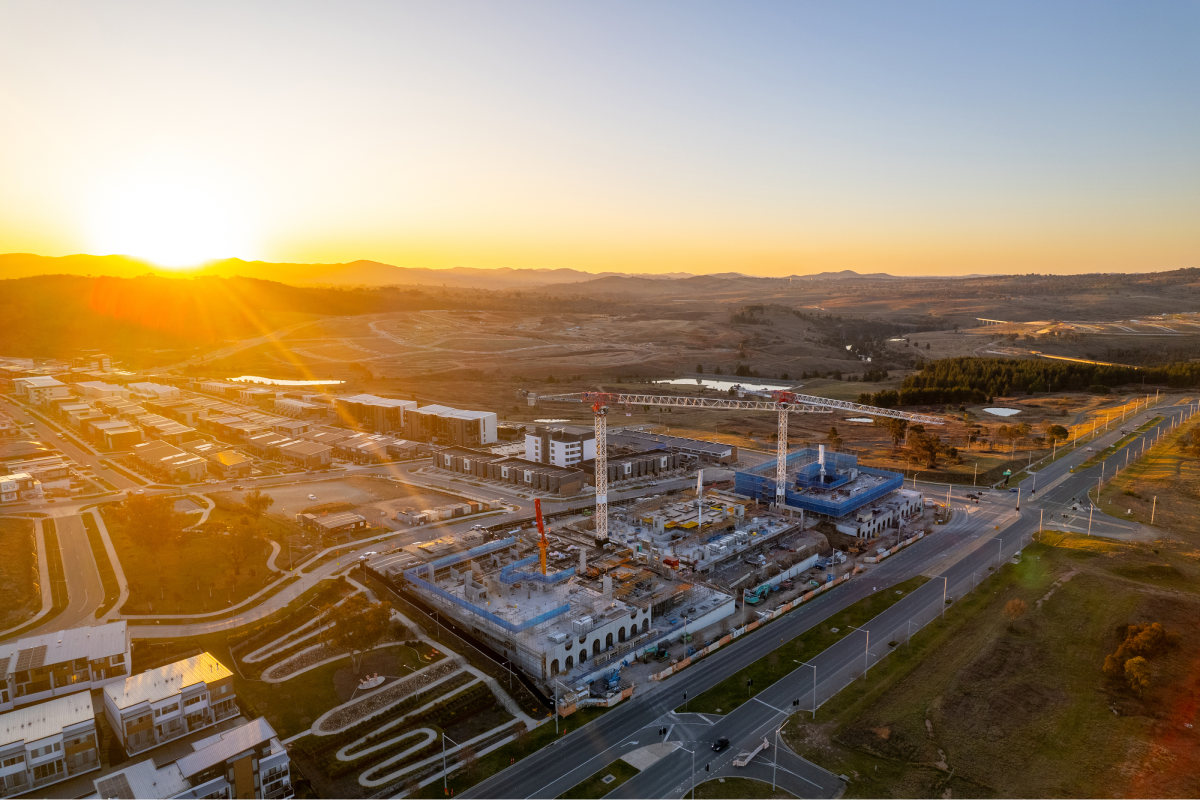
x: 595, y: 786
x: 108, y: 576
x: 21, y: 597
x: 986, y: 702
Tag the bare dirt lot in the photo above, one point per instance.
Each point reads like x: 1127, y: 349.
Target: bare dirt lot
x: 369, y: 496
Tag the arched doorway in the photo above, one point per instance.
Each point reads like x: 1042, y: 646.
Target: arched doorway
x: 621, y: 634
x: 570, y: 663
x: 608, y: 642
x: 645, y: 625
x: 554, y: 667
x: 596, y: 647
x: 583, y: 654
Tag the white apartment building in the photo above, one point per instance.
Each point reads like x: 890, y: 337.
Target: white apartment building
x: 154, y: 391
x: 38, y: 668
x: 562, y: 446
x: 247, y: 761
x: 41, y: 389
x: 156, y: 706
x: 47, y: 743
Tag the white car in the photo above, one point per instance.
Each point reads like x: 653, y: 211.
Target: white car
x: 312, y: 497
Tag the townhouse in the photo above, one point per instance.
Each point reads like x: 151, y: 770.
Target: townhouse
x: 47, y: 743
x: 38, y: 668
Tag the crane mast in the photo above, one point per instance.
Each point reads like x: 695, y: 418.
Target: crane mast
x: 542, y: 543
x: 782, y: 402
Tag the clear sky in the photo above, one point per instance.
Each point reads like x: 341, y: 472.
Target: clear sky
x: 764, y: 137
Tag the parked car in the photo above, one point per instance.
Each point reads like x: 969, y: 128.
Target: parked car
x: 312, y: 497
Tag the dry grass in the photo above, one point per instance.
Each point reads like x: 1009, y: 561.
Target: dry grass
x: 20, y: 597
x: 1167, y: 473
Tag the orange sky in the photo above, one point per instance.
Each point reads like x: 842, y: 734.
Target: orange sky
x: 784, y: 139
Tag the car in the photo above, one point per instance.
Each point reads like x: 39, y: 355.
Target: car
x: 238, y: 487
x: 139, y: 491
x: 312, y: 497
x: 720, y: 744
x: 60, y: 436
x: 1014, y: 491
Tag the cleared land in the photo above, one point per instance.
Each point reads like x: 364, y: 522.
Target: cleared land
x: 193, y: 575
x: 734, y: 788
x: 1167, y: 472
x: 980, y: 705
x: 20, y: 595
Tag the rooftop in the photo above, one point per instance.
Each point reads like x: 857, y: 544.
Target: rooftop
x: 217, y: 749
x: 98, y: 641
x: 36, y: 722
x: 159, y: 684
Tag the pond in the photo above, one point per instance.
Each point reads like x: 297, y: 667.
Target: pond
x: 279, y: 382
x: 860, y: 419
x: 552, y: 420
x: 726, y: 385
x: 1003, y: 412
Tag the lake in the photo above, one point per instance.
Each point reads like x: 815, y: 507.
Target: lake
x: 724, y: 385
x: 278, y: 382
x: 1003, y: 412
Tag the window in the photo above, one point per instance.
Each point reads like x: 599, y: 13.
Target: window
x: 42, y: 771
x: 9, y: 762
x: 191, y: 701
x: 224, y: 689
x: 119, y: 658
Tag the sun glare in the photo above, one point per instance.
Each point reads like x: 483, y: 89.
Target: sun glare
x: 169, y: 221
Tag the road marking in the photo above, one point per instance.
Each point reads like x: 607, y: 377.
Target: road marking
x: 706, y: 719
x: 768, y: 705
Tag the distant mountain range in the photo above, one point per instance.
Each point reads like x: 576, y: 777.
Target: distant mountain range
x: 374, y: 273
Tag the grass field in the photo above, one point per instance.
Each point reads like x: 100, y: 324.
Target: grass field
x: 108, y: 577
x: 595, y: 787
x: 20, y: 595
x: 58, y: 579
x: 977, y: 705
x: 192, y: 577
x: 732, y: 692
x: 734, y: 788
x: 1169, y: 474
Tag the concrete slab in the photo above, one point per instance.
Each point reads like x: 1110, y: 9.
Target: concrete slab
x: 647, y: 756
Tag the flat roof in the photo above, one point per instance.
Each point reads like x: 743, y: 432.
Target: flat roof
x: 36, y: 722
x: 372, y: 400
x: 40, y: 381
x: 159, y: 684
x: 337, y: 520
x: 142, y: 779
x: 229, y: 458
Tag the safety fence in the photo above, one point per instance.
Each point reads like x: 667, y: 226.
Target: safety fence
x: 910, y: 540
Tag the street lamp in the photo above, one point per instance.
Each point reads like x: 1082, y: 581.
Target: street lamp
x: 693, y: 752
x: 774, y: 761
x: 866, y: 650
x: 444, y: 738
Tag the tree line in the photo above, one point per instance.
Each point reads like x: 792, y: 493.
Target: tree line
x: 980, y: 380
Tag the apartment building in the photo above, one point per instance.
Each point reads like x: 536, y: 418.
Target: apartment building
x: 100, y: 390
x: 159, y: 705
x: 561, y: 445
x: 247, y: 761
x: 366, y: 411
x: 155, y: 391
x: 47, y: 743
x: 450, y: 426
x: 290, y: 407
x: 308, y: 455
x: 38, y: 668
x: 229, y: 464
x: 41, y: 389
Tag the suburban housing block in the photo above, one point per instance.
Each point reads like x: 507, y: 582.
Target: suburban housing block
x: 38, y: 668
x: 162, y: 704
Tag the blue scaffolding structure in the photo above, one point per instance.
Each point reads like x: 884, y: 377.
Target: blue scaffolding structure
x: 759, y: 483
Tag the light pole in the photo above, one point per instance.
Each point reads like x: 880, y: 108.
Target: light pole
x: 945, y: 588
x: 1018, y: 498
x: 444, y: 738
x: 774, y: 761
x: 814, y: 669
x: 999, y: 552
x: 1090, y: 510
x: 693, y: 752
x: 866, y: 650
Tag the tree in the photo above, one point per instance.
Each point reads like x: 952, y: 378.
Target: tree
x: 358, y: 625
x: 699, y: 369
x: 151, y: 522
x: 1014, y: 609
x: 468, y: 758
x: 896, y: 427
x: 1137, y: 672
x: 239, y: 543
x: 925, y: 448
x: 1057, y: 432
x: 257, y: 503
x: 835, y: 440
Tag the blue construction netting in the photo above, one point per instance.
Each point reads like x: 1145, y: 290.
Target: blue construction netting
x: 511, y: 573
x: 759, y: 483
x: 413, y: 578
x: 474, y: 552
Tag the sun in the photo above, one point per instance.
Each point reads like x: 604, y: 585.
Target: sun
x: 169, y: 220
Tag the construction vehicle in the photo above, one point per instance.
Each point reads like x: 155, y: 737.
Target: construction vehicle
x: 656, y: 652
x: 758, y: 595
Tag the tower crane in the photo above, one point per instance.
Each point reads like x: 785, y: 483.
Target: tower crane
x: 537, y: 510
x: 781, y: 402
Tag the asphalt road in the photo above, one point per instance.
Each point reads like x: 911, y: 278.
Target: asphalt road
x: 85, y: 592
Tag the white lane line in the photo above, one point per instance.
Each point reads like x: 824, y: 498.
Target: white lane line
x: 768, y: 705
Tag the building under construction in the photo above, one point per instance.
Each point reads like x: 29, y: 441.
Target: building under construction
x: 572, y: 620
